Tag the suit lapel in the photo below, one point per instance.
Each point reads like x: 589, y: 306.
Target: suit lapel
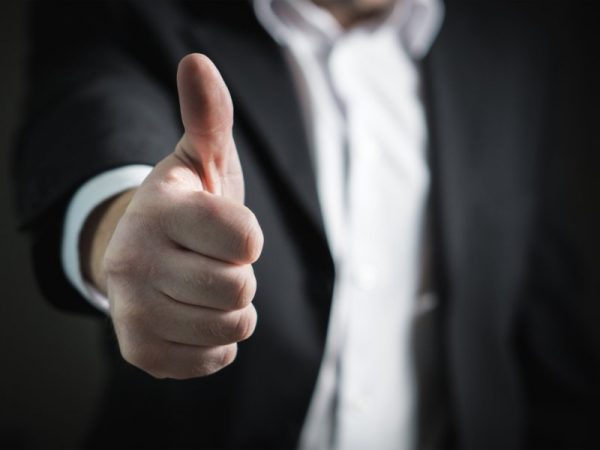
x: 486, y: 108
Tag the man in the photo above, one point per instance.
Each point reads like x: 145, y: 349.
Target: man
x: 335, y: 108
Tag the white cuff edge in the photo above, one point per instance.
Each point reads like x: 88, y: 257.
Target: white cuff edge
x: 86, y: 199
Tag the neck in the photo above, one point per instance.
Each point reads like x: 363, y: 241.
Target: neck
x: 351, y: 12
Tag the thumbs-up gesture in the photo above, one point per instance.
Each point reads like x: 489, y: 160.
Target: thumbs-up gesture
x: 177, y: 269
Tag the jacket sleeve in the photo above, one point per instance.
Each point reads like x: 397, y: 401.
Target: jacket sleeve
x: 96, y: 102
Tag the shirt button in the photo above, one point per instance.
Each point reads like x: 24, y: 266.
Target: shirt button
x: 365, y: 277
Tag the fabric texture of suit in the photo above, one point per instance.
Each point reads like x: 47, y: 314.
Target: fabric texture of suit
x: 509, y: 91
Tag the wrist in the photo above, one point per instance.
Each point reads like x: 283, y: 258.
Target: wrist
x: 96, y: 234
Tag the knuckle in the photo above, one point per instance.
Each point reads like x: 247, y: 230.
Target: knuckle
x: 244, y: 325
x: 245, y: 288
x: 175, y: 175
x: 202, y: 329
x: 241, y: 328
x: 204, y: 279
x: 202, y: 367
x: 213, y: 359
x: 228, y: 354
x: 252, y: 238
x: 215, y: 329
x: 231, y: 327
x: 197, y: 280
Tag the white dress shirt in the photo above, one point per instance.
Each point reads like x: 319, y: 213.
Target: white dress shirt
x: 360, y: 93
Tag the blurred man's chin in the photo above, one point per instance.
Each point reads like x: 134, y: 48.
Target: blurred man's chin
x: 359, y: 5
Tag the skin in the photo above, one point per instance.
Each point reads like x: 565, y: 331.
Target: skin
x: 350, y: 12
x: 175, y: 255
x: 180, y: 304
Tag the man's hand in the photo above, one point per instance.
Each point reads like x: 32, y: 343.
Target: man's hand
x: 177, y: 268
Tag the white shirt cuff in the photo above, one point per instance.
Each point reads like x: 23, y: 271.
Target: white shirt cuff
x: 86, y: 199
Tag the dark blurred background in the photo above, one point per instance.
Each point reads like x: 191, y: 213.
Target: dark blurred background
x: 50, y: 377
x: 51, y: 371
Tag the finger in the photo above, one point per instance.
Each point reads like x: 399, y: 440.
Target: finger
x: 200, y: 281
x: 194, y: 325
x: 147, y: 323
x: 178, y: 361
x: 213, y: 226
x: 207, y: 115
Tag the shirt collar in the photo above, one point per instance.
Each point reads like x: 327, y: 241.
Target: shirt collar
x: 416, y: 21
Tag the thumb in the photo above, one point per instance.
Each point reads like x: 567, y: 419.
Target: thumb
x: 207, y: 115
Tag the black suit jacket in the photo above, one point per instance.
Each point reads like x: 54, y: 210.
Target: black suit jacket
x: 510, y: 97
